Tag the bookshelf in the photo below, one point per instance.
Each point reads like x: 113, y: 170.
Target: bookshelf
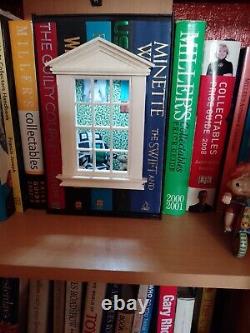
x: 191, y: 250
x: 186, y: 251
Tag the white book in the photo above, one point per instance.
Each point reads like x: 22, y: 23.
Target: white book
x: 38, y: 306
x: 137, y: 323
x: 184, y: 315
x: 93, y: 307
x: 73, y: 307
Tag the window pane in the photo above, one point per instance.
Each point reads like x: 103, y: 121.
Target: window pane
x: 102, y: 115
x: 84, y: 139
x: 120, y: 118
x: 85, y: 160
x: 120, y: 139
x: 84, y: 115
x: 83, y: 91
x: 120, y: 91
x: 102, y: 139
x: 120, y: 161
x: 101, y: 91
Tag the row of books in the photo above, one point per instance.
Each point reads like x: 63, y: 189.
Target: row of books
x: 185, y: 132
x: 42, y: 306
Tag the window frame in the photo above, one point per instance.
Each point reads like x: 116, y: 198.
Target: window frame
x: 71, y: 175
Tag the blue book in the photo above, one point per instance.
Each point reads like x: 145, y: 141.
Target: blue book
x: 244, y: 153
x: 149, y: 309
x: 154, y: 46
x: 98, y: 29
x: 101, y: 199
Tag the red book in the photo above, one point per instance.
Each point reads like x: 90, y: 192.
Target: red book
x: 166, y: 309
x: 46, y: 50
x: 215, y: 96
x: 238, y: 123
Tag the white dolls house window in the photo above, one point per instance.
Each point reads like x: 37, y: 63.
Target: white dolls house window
x: 101, y: 97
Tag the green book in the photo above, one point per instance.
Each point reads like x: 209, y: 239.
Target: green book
x: 187, y: 60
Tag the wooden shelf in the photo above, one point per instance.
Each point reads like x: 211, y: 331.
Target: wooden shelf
x: 186, y: 251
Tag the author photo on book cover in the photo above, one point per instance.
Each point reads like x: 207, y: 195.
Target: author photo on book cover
x: 220, y: 58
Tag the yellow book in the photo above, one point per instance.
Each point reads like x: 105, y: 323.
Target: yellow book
x: 7, y: 95
x: 22, y: 47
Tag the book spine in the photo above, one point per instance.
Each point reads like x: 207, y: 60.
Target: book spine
x: 71, y: 32
x: 214, y: 102
x: 206, y: 310
x: 109, y: 316
x: 184, y: 314
x: 147, y: 316
x: 238, y: 121
x: 11, y: 124
x: 73, y: 307
x: 23, y: 304
x: 22, y: 46
x: 101, y: 199
x: 7, y: 206
x: 9, y: 300
x: 166, y: 309
x: 46, y: 49
x: 187, y: 59
x: 244, y: 153
x: 59, y: 288
x: 124, y: 322
x: 138, y: 317
x: 154, y: 46
x: 93, y: 309
x: 38, y: 306
x: 98, y: 28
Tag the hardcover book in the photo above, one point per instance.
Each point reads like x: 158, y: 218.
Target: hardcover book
x: 22, y: 46
x: 215, y: 96
x: 73, y: 304
x: 7, y: 206
x: 38, y: 306
x: 92, y: 318
x: 147, y: 316
x: 46, y: 49
x: 238, y: 121
x: 166, y: 309
x: 154, y: 46
x: 244, y: 153
x: 9, y: 300
x: 188, y: 54
x: 10, y: 119
x: 109, y: 316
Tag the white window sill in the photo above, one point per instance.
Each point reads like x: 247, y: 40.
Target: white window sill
x: 102, y: 182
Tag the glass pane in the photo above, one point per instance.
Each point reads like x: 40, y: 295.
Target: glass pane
x: 120, y: 139
x: 120, y: 91
x: 83, y: 91
x: 101, y: 91
x: 85, y: 160
x: 102, y: 142
x: 120, y: 161
x: 102, y: 139
x: 102, y: 115
x: 120, y: 118
x: 84, y: 139
x: 84, y: 115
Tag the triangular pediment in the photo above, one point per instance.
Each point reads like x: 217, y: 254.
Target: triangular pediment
x: 100, y: 57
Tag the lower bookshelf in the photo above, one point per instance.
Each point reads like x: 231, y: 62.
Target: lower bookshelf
x: 191, y: 250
